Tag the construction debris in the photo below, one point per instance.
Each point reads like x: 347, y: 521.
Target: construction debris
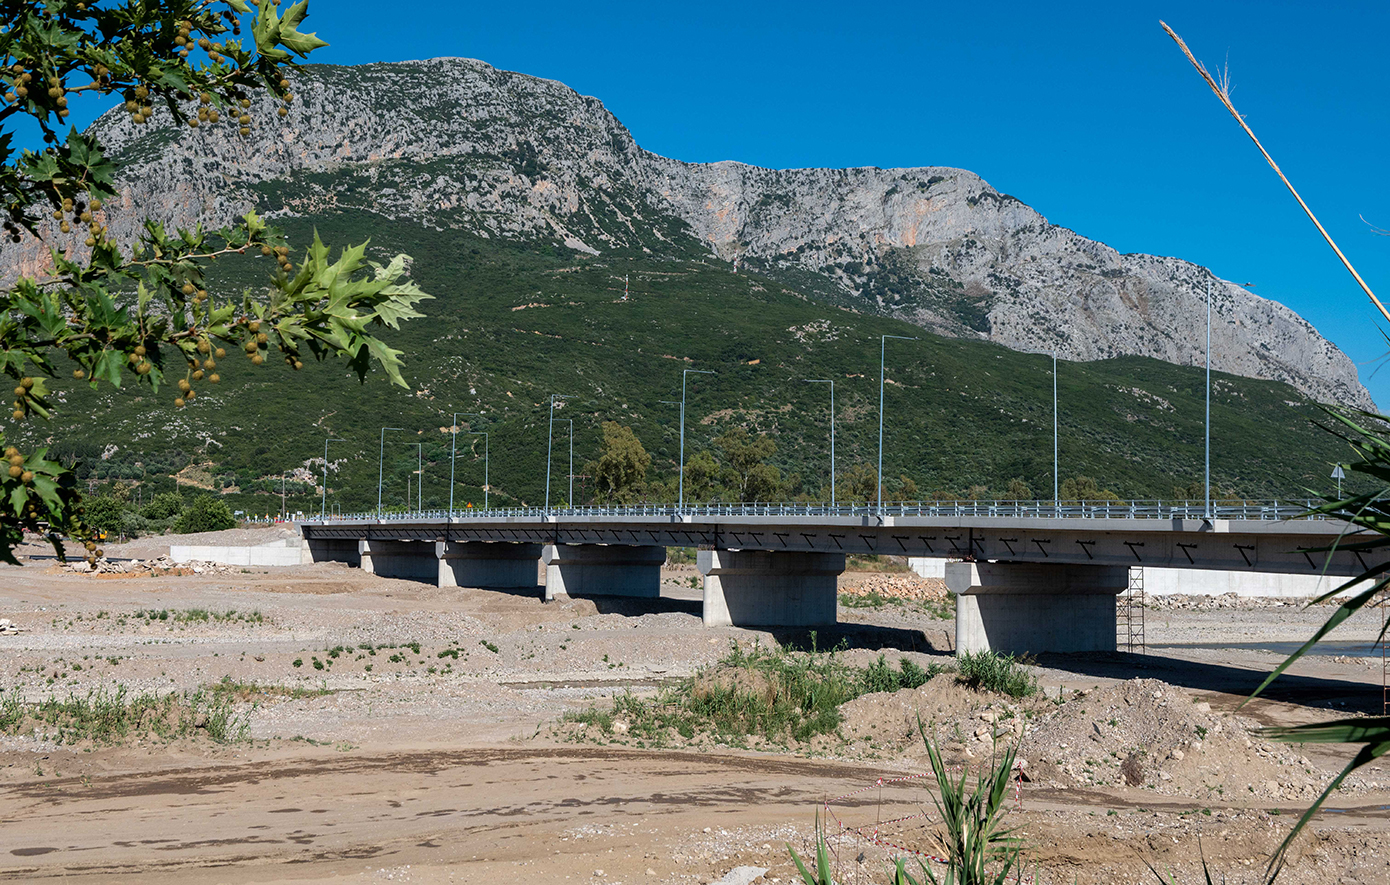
x: 147, y: 567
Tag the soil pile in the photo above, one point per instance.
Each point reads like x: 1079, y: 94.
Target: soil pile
x: 963, y: 723
x: 908, y: 587
x: 1145, y: 733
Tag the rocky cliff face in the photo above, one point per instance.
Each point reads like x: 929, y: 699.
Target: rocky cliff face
x: 457, y: 143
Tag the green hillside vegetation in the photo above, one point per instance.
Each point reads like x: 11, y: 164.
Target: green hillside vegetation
x: 514, y: 324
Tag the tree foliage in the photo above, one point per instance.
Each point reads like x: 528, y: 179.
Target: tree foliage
x: 1084, y: 488
x: 621, y: 469
x: 205, y: 514
x: 141, y: 311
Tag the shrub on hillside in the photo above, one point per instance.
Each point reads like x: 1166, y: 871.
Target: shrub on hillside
x: 163, y: 506
x: 104, y: 514
x: 205, y: 514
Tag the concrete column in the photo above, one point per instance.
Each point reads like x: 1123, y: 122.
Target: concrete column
x: 762, y: 588
x: 1029, y: 608
x: 330, y: 550
x: 486, y: 565
x: 602, y: 570
x: 412, y: 560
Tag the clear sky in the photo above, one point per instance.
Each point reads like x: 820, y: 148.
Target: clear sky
x: 1085, y: 111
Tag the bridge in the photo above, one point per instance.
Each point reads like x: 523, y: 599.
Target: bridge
x: 1028, y: 576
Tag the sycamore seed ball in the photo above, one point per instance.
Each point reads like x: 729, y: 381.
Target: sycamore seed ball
x: 26, y: 476
x: 257, y: 359
x: 16, y: 472
x: 178, y: 401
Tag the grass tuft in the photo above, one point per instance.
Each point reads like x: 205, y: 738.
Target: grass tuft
x: 988, y: 671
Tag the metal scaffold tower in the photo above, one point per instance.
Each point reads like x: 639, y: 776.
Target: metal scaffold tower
x: 1129, y: 614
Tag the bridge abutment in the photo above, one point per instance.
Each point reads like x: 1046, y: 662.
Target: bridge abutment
x: 330, y: 550
x: 486, y: 565
x: 602, y: 569
x: 1033, y: 607
x: 761, y: 588
x: 411, y: 560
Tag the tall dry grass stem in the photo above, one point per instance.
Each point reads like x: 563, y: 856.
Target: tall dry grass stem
x: 1223, y: 92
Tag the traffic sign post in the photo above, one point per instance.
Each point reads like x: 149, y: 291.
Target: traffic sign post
x: 1338, y: 475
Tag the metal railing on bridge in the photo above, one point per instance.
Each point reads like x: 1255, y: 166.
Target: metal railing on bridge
x: 1236, y: 510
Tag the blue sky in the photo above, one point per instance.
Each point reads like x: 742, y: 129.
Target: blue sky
x: 1085, y: 111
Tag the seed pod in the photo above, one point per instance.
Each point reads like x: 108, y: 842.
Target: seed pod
x: 78, y: 374
x: 140, y: 350
x: 219, y: 353
x: 188, y: 288
x: 178, y: 401
x: 262, y: 338
x: 16, y: 472
x: 198, y: 375
x: 254, y: 325
x: 26, y: 477
x: 209, y: 363
x: 16, y: 460
x: 214, y: 378
x: 184, y: 385
x: 257, y: 359
x: 19, y: 392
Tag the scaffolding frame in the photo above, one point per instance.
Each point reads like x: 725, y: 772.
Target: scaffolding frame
x: 1129, y: 615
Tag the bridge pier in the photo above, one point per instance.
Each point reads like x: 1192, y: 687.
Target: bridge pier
x: 603, y: 570
x: 486, y: 565
x: 411, y: 560
x: 1033, y: 607
x: 763, y: 588
x: 330, y: 550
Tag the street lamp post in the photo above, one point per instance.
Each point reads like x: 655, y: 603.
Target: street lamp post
x: 883, y: 351
x: 323, y: 506
x: 571, y: 496
x: 832, y: 432
x: 483, y: 434
x: 453, y: 449
x: 1207, y: 480
x: 549, y: 444
x: 419, y: 480
x: 381, y: 460
x: 684, y: 375
x: 1056, y: 477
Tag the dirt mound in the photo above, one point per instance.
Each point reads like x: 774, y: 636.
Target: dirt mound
x: 961, y: 721
x: 908, y: 586
x: 736, y: 680
x: 1145, y: 733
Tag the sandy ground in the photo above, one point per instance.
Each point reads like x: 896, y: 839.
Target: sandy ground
x: 438, y: 756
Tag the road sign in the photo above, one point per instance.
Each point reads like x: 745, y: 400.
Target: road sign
x: 1337, y: 472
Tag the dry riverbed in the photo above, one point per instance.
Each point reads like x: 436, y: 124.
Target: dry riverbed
x: 382, y: 730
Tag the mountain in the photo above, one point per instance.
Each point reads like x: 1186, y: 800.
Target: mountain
x: 458, y: 144
x: 529, y: 211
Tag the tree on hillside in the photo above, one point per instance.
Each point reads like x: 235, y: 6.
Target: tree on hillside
x: 206, y: 514
x: 141, y: 311
x: 746, y: 474
x: 1019, y: 490
x: 621, y: 468
x: 1083, y: 488
x: 701, y: 477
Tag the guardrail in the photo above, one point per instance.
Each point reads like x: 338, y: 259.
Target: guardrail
x: 1247, y: 510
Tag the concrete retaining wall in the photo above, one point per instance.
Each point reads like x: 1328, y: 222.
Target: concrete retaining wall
x: 267, y: 555
x: 1194, y: 582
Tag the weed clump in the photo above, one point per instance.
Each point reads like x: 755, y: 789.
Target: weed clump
x: 989, y: 671
x: 778, y: 695
x: 109, y: 716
